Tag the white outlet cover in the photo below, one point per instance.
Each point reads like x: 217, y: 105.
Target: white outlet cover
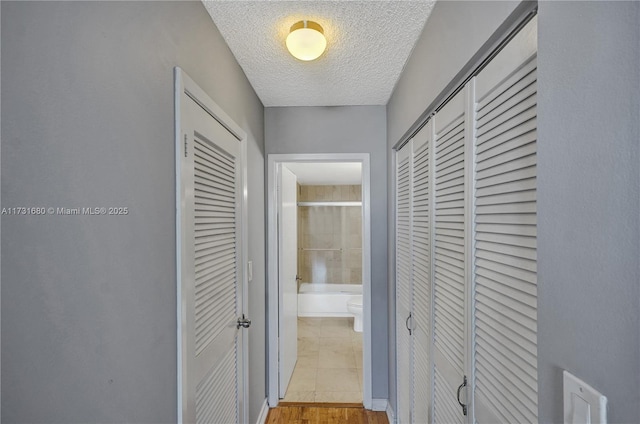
x: 582, y: 403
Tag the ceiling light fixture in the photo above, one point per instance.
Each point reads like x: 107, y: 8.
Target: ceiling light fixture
x: 306, y: 40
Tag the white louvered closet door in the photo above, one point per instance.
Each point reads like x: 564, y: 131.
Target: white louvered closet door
x: 450, y: 287
x: 403, y: 282
x: 211, y: 269
x: 421, y: 266
x: 505, y: 312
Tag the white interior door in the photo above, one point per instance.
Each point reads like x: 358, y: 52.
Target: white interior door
x: 505, y: 314
x: 210, y: 263
x: 450, y: 286
x: 288, y: 269
x: 413, y: 282
x: 421, y: 227
x: 403, y: 283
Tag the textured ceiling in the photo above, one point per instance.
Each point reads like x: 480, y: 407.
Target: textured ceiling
x: 368, y: 43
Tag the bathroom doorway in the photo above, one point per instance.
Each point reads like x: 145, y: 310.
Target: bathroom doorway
x: 330, y: 359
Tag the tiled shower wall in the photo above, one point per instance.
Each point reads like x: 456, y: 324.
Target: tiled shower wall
x: 330, y: 237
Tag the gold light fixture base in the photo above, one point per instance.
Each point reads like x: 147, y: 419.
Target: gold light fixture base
x: 306, y: 40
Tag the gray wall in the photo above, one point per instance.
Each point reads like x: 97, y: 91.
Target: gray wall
x: 89, y: 303
x: 588, y: 202
x: 347, y: 129
x: 452, y: 35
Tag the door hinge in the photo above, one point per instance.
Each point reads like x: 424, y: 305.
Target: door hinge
x: 185, y: 145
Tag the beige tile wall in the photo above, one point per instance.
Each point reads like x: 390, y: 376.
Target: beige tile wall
x: 330, y: 237
x: 316, y: 193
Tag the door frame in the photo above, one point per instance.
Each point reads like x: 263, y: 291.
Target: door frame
x: 183, y: 84
x: 273, y: 166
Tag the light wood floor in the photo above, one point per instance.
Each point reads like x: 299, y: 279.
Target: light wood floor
x: 324, y: 413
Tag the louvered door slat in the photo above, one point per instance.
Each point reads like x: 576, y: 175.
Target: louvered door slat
x: 212, y: 185
x: 500, y: 404
x: 214, y: 282
x: 503, y: 338
x: 510, y: 118
x: 505, y: 280
x: 507, y: 157
x: 214, y: 243
x: 206, y: 230
x: 452, y: 183
x: 209, y: 194
x: 500, y: 178
x: 222, y: 173
x: 493, y: 350
x: 449, y: 150
x: 205, y: 205
x: 211, y: 249
x: 508, y: 370
x: 507, y: 376
x: 505, y: 252
x: 452, y: 297
x: 208, y: 251
x: 526, y: 301
x: 507, y: 218
x: 508, y: 259
x: 505, y: 90
x: 445, y: 409
x: 214, y: 405
x: 215, y: 253
x: 446, y: 259
x: 520, y: 230
x: 508, y: 188
x: 212, y: 155
x: 213, y: 306
x: 206, y: 176
x: 524, y: 89
x: 210, y: 276
x: 212, y: 289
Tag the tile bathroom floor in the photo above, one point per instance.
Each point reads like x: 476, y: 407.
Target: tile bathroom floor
x: 329, y: 367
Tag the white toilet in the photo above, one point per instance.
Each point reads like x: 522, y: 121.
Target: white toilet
x: 354, y: 306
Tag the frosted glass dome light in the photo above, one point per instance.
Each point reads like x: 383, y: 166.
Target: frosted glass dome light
x: 306, y: 40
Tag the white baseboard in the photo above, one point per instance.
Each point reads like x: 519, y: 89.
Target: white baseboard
x: 325, y: 314
x: 391, y: 416
x: 262, y: 417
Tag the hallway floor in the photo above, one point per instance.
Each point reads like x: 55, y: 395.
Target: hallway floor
x: 329, y: 367
x: 324, y: 414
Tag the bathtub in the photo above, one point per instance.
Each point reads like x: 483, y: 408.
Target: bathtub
x: 326, y: 300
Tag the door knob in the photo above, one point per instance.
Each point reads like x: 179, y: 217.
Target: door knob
x: 244, y: 322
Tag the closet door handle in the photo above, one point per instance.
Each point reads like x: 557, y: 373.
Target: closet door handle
x: 464, y: 384
x: 406, y: 323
